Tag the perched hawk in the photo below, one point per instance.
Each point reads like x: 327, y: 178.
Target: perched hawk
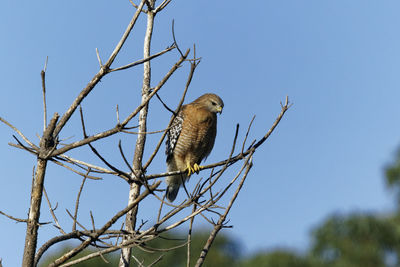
x: 191, y: 139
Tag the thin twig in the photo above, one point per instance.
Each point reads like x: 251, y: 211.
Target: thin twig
x: 189, y: 80
x: 13, y: 218
x: 19, y: 132
x: 77, y: 201
x: 98, y: 233
x: 236, y: 158
x: 160, y: 209
x: 136, y: 6
x: 283, y: 110
x: 75, y: 171
x: 165, y: 105
x: 162, y: 6
x: 247, y: 133
x: 52, y: 212
x: 173, y: 36
x: 119, y: 128
x: 98, y: 57
x: 24, y: 146
x: 92, y: 219
x: 121, y: 174
x: 140, y: 264
x: 124, y: 158
x: 68, y: 236
x: 82, y: 122
x: 102, y: 72
x: 189, y: 238
x: 219, y: 225
x: 117, y: 109
x: 126, y: 244
x: 143, y: 60
x: 43, y: 75
x: 78, y: 162
x: 75, y: 220
x: 154, y: 262
x: 153, y: 132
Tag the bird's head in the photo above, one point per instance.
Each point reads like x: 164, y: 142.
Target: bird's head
x: 212, y: 102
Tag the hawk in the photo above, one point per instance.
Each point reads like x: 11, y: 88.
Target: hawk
x: 190, y: 139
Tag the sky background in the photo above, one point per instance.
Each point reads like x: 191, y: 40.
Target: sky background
x: 338, y: 61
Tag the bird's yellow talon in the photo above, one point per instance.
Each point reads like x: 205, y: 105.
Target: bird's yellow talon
x: 190, y: 170
x: 195, y: 169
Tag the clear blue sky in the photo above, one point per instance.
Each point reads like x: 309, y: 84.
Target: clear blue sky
x: 338, y: 61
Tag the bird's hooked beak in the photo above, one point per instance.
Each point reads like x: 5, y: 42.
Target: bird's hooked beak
x: 219, y: 109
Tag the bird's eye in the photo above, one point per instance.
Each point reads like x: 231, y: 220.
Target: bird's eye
x: 213, y: 103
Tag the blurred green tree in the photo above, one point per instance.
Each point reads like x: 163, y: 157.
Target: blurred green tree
x: 279, y: 258
x: 362, y: 239
x: 357, y: 240
x: 392, y: 177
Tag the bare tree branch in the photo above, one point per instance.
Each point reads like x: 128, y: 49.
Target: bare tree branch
x: 98, y: 233
x: 61, y: 238
x: 189, y: 238
x: 13, y: 218
x: 19, y: 132
x: 103, y: 71
x: 52, y: 212
x: 162, y: 6
x: 247, y: 133
x: 193, y: 66
x: 93, y: 167
x: 77, y: 202
x: 222, y: 219
x: 121, y: 126
x: 136, y: 6
x: 134, y: 190
x: 43, y: 75
x: 143, y: 60
x: 46, y: 144
x: 75, y: 171
x: 98, y: 58
x: 237, y: 157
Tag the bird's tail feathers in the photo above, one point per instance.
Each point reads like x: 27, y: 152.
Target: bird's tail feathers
x: 172, y: 191
x: 173, y: 183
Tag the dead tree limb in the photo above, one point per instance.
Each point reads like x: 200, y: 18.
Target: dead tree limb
x: 46, y: 144
x: 98, y: 233
x: 134, y: 190
x: 220, y: 224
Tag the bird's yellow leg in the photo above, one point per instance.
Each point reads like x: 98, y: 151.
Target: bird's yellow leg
x: 195, y: 169
x: 189, y: 168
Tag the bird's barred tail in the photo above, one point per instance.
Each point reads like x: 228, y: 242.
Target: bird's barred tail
x: 172, y: 191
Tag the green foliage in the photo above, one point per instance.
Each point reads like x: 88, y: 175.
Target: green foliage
x: 392, y: 176
x: 278, y: 258
x: 356, y: 240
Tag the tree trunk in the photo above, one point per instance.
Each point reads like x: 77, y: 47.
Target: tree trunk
x: 34, y: 214
x: 134, y: 191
